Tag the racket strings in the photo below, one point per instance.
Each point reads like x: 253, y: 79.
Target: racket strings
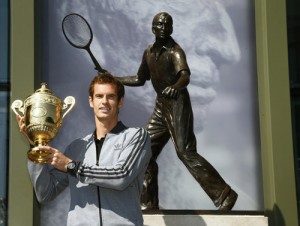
x: 77, y: 31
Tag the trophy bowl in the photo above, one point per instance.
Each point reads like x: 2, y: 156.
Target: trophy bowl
x: 43, y: 116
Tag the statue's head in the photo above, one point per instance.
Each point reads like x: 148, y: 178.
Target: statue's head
x: 162, y: 25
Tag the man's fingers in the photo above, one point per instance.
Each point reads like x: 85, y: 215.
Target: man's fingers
x: 23, y: 128
x: 48, y: 149
x: 20, y: 121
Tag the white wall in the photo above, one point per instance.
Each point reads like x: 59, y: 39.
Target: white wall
x: 219, y: 40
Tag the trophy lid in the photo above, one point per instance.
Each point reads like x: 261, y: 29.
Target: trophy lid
x: 43, y: 89
x: 44, y: 95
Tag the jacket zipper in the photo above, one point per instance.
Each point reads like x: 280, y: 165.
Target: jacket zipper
x: 99, y: 204
x: 98, y: 188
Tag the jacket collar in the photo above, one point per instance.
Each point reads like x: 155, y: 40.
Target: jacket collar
x: 117, y: 129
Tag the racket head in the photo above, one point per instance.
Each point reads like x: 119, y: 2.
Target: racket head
x: 77, y: 31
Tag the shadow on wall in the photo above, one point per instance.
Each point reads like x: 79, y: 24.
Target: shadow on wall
x: 184, y: 221
x: 275, y: 216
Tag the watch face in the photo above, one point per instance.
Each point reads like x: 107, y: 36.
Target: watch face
x: 71, y: 165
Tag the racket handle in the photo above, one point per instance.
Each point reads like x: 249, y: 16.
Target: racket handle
x: 97, y: 65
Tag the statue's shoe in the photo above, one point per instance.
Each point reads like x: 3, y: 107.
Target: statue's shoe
x: 229, y: 201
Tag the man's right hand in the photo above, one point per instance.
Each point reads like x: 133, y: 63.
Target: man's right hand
x: 57, y: 159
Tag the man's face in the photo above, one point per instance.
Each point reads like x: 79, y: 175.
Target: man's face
x: 105, y: 102
x: 162, y: 26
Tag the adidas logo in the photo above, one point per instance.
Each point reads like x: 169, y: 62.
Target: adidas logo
x: 117, y: 146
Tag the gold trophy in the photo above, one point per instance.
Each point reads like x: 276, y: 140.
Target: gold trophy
x: 43, y: 117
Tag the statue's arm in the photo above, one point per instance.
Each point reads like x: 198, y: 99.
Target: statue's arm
x: 141, y: 77
x: 182, y: 82
x: 133, y: 80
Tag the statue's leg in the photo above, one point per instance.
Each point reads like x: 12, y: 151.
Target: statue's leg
x: 149, y: 196
x: 181, y: 128
x: 209, y: 179
x: 159, y: 135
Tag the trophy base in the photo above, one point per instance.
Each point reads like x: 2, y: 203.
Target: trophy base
x: 37, y: 156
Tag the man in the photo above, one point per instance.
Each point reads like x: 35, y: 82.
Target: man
x: 104, y: 170
x: 164, y: 63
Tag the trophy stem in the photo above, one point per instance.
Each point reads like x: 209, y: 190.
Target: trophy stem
x: 37, y: 156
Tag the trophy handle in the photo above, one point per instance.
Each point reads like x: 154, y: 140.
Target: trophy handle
x: 18, y: 105
x: 68, y: 101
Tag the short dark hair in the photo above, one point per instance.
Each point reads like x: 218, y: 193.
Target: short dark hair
x: 107, y: 78
x: 164, y: 14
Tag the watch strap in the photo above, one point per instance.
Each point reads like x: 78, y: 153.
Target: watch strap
x: 72, y: 167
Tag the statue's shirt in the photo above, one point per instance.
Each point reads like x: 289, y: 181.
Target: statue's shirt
x: 162, y: 65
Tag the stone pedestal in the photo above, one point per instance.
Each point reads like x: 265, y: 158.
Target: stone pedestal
x: 204, y: 218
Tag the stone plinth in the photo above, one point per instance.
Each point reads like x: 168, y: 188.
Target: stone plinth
x: 204, y: 218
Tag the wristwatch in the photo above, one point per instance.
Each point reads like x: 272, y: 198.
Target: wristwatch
x: 72, y: 167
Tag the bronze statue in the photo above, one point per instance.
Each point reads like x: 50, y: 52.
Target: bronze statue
x: 164, y: 63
